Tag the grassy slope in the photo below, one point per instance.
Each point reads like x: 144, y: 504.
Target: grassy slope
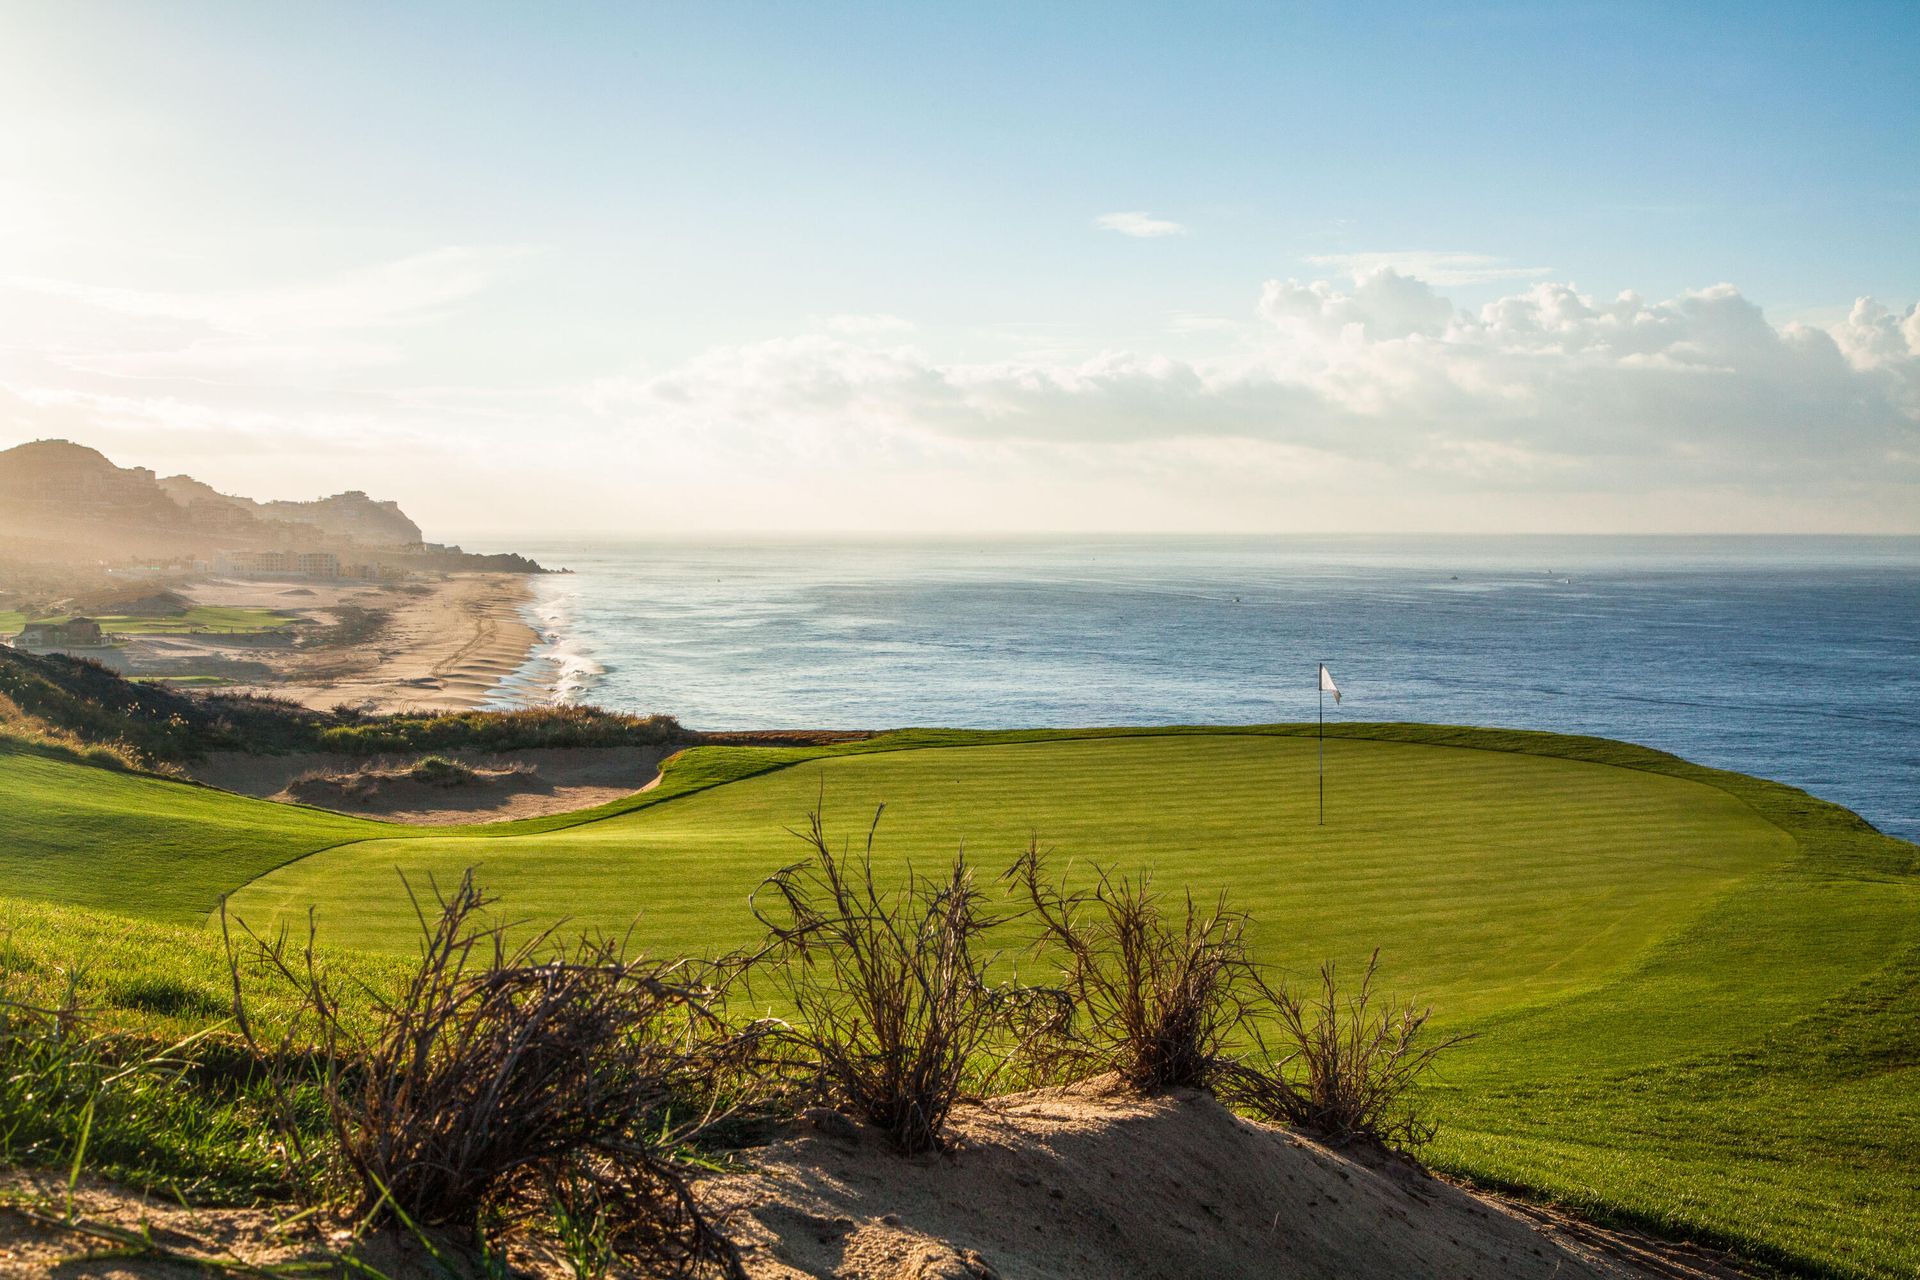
x: 1698, y: 1003
x: 95, y: 837
x: 147, y: 987
x: 1755, y: 1078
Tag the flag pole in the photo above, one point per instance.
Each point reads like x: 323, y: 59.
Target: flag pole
x: 1320, y: 681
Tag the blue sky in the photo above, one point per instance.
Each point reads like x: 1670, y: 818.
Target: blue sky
x: 743, y: 244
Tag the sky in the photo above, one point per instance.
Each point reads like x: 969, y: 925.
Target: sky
x: 626, y: 269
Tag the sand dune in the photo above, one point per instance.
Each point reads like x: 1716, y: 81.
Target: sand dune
x: 1068, y: 1185
x: 1050, y: 1185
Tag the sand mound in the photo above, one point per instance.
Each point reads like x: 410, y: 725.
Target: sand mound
x: 1066, y: 1185
x: 1052, y: 1185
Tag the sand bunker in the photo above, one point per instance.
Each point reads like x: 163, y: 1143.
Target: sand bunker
x: 520, y: 784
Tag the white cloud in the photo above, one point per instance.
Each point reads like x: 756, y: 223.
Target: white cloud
x: 1435, y: 268
x: 867, y: 326
x: 1382, y: 304
x: 1139, y: 224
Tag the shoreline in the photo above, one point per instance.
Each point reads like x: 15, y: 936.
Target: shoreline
x: 450, y: 649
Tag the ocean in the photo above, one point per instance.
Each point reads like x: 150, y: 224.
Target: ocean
x: 1796, y: 659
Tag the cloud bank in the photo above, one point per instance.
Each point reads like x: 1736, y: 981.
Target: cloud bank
x: 1543, y: 387
x: 1370, y: 402
x: 1139, y: 224
x: 1441, y: 269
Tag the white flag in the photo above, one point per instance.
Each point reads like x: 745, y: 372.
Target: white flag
x: 1327, y: 685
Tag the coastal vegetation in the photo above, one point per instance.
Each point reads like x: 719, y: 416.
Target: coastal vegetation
x: 1691, y: 996
x: 56, y: 698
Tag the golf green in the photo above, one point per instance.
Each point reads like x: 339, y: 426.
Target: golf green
x: 1489, y: 878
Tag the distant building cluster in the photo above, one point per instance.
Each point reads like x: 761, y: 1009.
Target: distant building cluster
x: 299, y: 564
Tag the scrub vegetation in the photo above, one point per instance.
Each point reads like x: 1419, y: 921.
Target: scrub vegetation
x: 57, y: 699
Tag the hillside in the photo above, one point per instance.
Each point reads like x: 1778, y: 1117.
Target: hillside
x: 351, y: 515
x: 82, y: 704
x: 62, y: 501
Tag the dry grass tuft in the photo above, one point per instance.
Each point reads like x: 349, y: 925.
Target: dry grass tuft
x: 1157, y: 998
x: 895, y: 1012
x: 1346, y: 1068
x: 34, y: 731
x: 502, y: 1071
x: 1164, y: 995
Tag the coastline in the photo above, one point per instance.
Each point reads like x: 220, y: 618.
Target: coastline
x: 450, y: 649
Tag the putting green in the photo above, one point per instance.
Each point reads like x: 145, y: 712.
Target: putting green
x: 1491, y: 878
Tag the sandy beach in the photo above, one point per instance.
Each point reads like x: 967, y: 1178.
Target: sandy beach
x: 446, y: 644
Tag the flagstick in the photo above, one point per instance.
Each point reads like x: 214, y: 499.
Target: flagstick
x: 1320, y: 679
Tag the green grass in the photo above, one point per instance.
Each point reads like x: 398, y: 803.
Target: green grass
x: 1507, y: 839
x: 197, y: 682
x: 189, y: 1122
x: 1696, y: 995
x: 94, y: 837
x: 233, y: 620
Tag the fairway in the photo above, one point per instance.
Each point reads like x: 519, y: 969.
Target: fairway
x: 1495, y: 877
x: 1695, y: 995
x: 224, y: 619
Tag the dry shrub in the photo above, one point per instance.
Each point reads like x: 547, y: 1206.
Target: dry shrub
x: 1156, y: 997
x: 439, y: 771
x: 502, y: 1070
x: 1345, y: 1068
x: 1164, y: 995
x: 895, y: 1013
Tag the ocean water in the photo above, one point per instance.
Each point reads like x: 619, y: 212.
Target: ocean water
x: 1794, y: 659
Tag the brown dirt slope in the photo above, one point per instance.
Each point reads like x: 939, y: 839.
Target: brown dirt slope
x: 1069, y: 1186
